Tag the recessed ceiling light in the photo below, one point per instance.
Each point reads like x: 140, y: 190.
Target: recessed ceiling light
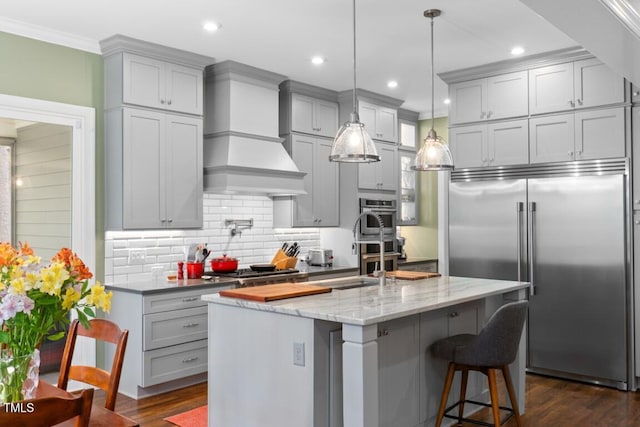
x: 447, y: 101
x: 317, y: 60
x: 392, y: 84
x: 211, y: 26
x: 518, y: 50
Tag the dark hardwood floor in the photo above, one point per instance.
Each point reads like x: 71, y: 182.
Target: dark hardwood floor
x: 550, y: 403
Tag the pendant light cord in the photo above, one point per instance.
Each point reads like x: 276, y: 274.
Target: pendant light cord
x: 355, y: 105
x: 432, y: 79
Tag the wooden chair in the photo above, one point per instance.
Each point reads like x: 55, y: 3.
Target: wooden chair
x: 104, y: 330
x: 493, y: 349
x: 49, y: 411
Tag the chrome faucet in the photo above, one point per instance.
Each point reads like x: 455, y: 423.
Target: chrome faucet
x: 381, y: 274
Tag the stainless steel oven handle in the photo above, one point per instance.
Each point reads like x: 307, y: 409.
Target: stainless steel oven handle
x: 532, y: 247
x: 519, y: 209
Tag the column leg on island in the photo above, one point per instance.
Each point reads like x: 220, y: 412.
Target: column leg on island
x: 360, y: 375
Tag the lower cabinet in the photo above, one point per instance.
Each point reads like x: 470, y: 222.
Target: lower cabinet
x: 495, y: 144
x: 399, y: 367
x: 167, y: 339
x: 583, y: 135
x: 439, y: 324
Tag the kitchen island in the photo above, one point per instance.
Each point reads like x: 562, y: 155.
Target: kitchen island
x: 356, y: 356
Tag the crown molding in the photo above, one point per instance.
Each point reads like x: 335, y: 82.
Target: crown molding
x: 49, y: 35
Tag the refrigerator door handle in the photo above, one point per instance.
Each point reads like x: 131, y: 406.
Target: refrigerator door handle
x: 532, y: 247
x: 519, y: 209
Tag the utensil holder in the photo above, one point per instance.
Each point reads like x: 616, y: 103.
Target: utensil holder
x: 282, y: 261
x: 195, y: 270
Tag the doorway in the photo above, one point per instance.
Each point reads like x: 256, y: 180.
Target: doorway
x: 81, y: 123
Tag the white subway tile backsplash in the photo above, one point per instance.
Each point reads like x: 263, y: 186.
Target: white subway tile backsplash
x: 164, y: 248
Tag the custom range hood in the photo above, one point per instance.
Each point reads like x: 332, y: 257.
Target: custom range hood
x: 242, y: 151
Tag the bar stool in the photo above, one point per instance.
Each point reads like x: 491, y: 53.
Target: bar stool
x: 494, y: 348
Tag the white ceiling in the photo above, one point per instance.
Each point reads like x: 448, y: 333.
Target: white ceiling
x: 281, y: 35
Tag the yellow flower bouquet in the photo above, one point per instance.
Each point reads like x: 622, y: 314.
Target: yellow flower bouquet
x: 35, y: 299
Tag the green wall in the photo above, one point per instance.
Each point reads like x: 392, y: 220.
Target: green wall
x: 422, y: 240
x: 35, y: 69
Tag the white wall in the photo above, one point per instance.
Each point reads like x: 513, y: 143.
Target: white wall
x: 164, y: 248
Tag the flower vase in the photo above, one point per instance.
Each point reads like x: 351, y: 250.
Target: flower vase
x: 19, y: 376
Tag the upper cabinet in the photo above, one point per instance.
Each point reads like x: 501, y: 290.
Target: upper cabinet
x: 491, y: 98
x: 378, y: 113
x: 153, y: 156
x: 408, y: 129
x: 308, y: 109
x: 382, y: 175
x: 152, y: 83
x: 313, y: 116
x: 381, y: 122
x: 579, y: 84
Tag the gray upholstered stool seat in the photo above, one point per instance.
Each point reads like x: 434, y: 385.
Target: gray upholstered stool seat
x: 495, y: 347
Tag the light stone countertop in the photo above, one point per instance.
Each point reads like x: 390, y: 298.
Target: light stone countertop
x: 370, y: 304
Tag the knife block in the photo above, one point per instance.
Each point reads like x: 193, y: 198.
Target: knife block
x: 282, y: 261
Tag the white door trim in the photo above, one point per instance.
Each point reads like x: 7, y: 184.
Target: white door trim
x: 83, y: 215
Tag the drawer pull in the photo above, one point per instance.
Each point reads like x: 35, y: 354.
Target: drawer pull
x: 192, y: 359
x: 190, y: 325
x: 454, y: 314
x: 189, y: 299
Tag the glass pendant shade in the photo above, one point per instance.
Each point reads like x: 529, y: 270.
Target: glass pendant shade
x: 353, y: 144
x: 434, y: 155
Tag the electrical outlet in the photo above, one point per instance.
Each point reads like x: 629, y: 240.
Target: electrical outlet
x: 136, y: 256
x: 298, y: 353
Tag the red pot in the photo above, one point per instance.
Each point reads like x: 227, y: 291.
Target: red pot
x: 224, y: 264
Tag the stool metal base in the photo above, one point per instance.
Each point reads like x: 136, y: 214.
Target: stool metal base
x: 469, y: 420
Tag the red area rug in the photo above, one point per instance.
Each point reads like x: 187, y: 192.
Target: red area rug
x: 193, y: 418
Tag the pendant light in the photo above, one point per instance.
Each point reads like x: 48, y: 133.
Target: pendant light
x: 434, y: 155
x: 352, y: 143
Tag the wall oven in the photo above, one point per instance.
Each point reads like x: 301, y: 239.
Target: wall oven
x: 385, y: 209
x: 370, y: 236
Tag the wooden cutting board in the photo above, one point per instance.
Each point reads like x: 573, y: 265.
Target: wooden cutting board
x: 411, y: 275
x: 274, y: 292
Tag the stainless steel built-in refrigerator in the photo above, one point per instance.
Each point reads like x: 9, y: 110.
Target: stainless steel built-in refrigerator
x: 562, y: 228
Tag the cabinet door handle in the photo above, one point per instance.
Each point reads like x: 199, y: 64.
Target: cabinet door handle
x: 163, y: 219
x: 489, y: 114
x: 579, y: 101
x: 189, y: 360
x: 482, y: 114
x: 570, y: 153
x: 190, y: 299
x: 162, y: 101
x: 170, y: 220
x: 637, y: 222
x: 454, y: 314
x: 383, y: 333
x: 571, y: 103
x: 190, y: 325
x: 169, y: 102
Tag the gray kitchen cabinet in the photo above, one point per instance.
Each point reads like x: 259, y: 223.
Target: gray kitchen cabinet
x: 314, y: 116
x: 435, y: 325
x: 493, y: 144
x: 320, y: 206
x: 380, y: 122
x: 407, y: 189
x: 571, y: 85
x: 583, y: 135
x: 167, y: 347
x: 408, y: 134
x: 159, y: 84
x: 382, y: 175
x: 399, y: 372
x: 153, y: 157
x: 496, y: 97
x: 154, y: 163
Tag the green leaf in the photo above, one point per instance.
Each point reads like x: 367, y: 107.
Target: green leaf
x: 56, y: 337
x: 4, y: 337
x: 82, y: 318
x: 89, y: 312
